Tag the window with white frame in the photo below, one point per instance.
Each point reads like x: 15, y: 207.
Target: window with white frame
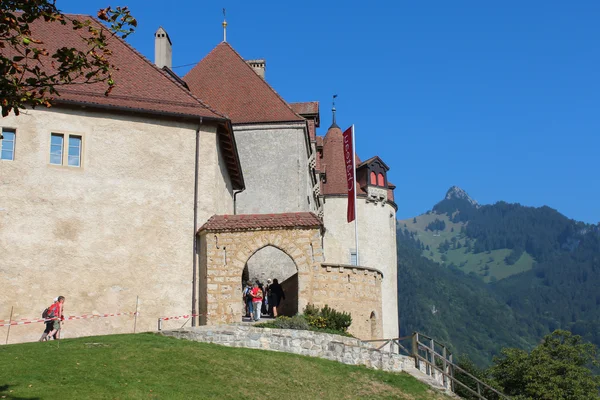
x: 56, y: 148
x: 7, y: 144
x: 65, y: 149
x: 74, y: 151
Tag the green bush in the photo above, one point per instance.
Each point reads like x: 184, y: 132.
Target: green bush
x: 327, y: 318
x: 297, y: 322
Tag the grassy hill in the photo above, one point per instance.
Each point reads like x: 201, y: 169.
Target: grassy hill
x: 489, y: 265
x: 147, y: 366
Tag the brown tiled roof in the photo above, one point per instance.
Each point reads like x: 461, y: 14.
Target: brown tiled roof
x: 139, y: 84
x: 227, y: 83
x: 245, y: 222
x: 333, y: 164
x: 370, y: 160
x: 306, y: 108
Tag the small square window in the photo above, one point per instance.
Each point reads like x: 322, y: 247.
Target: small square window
x: 7, y: 150
x: 56, y: 148
x: 74, y: 151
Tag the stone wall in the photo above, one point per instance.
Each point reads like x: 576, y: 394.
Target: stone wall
x: 332, y: 347
x: 352, y: 289
x: 223, y: 255
x: 119, y: 226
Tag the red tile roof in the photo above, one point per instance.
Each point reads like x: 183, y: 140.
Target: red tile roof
x: 333, y: 164
x: 139, y: 84
x: 227, y: 83
x: 306, y: 108
x: 246, y: 222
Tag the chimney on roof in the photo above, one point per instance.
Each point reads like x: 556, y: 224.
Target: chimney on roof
x: 258, y: 66
x: 162, y: 49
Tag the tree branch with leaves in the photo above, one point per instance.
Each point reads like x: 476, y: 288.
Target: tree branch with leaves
x: 32, y: 75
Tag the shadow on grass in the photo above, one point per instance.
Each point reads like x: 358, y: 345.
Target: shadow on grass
x: 6, y: 394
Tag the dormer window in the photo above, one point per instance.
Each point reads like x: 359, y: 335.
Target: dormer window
x: 371, y: 174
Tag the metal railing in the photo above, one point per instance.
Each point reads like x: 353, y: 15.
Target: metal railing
x: 437, y: 360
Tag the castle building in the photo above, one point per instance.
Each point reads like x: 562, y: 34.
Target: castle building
x: 172, y: 190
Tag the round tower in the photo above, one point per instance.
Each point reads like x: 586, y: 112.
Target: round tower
x: 376, y: 223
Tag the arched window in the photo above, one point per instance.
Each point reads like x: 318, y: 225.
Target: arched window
x: 373, y: 178
x: 380, y: 180
x: 373, y: 321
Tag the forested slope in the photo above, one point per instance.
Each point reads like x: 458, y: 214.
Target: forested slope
x: 559, y: 289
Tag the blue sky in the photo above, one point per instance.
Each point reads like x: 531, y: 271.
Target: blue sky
x: 501, y: 99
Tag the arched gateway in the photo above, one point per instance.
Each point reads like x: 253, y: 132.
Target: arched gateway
x: 226, y: 243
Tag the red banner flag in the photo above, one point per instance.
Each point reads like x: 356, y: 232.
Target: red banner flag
x: 350, y: 171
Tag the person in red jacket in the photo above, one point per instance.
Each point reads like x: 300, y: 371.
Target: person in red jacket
x: 57, y: 309
x: 257, y: 298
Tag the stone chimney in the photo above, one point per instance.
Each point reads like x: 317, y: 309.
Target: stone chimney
x: 162, y: 48
x: 258, y: 66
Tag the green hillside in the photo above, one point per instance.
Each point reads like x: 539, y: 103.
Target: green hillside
x: 490, y: 276
x: 457, y: 309
x: 148, y: 366
x: 489, y: 265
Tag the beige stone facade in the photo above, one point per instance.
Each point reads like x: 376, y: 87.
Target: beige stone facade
x: 223, y: 256
x: 118, y: 227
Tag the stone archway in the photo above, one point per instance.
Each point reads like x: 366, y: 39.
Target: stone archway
x: 270, y: 262
x: 226, y: 243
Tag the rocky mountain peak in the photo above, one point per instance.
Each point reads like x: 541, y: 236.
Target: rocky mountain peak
x: 457, y: 193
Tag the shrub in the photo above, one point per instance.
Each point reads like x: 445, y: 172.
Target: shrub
x: 295, y: 322
x: 327, y: 318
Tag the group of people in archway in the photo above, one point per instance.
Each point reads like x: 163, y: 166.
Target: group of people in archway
x: 262, y: 300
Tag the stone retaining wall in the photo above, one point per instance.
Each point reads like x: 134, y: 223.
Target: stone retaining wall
x: 332, y: 347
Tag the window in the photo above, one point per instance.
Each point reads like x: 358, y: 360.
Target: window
x: 380, y: 180
x: 7, y: 151
x: 65, y: 149
x: 56, y: 148
x: 373, y: 178
x: 353, y: 258
x: 74, y: 151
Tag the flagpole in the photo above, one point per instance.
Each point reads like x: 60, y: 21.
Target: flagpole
x: 355, y: 190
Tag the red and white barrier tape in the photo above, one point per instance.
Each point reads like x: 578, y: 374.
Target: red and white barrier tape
x: 25, y: 321
x: 180, y: 317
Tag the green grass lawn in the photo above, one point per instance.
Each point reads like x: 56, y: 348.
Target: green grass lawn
x: 147, y: 366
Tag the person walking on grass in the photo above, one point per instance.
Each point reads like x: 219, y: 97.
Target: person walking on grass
x: 48, y: 315
x: 58, y: 314
x: 277, y: 295
x: 257, y: 297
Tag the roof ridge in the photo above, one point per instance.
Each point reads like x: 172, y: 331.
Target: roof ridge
x: 163, y: 73
x: 263, y: 80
